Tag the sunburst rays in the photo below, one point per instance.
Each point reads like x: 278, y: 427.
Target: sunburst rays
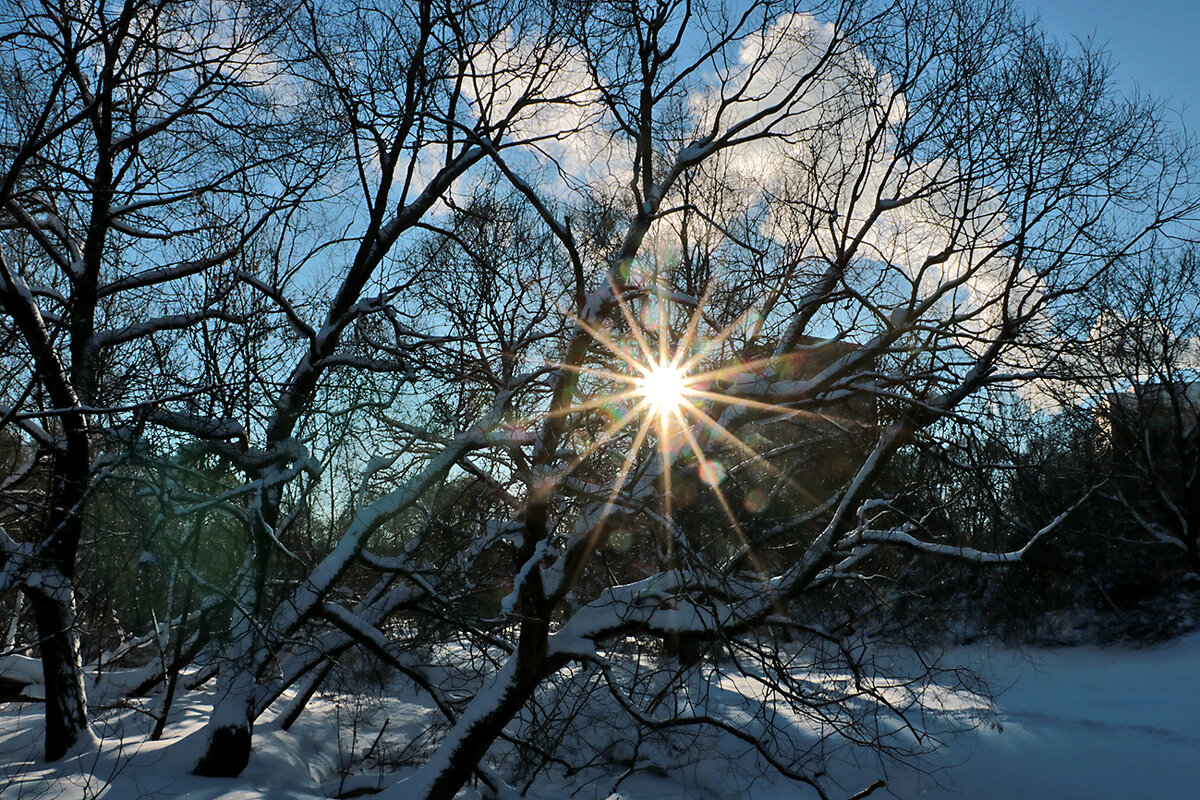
x: 657, y: 388
x: 664, y: 388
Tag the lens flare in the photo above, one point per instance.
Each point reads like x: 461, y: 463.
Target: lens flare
x: 661, y: 389
x: 664, y: 388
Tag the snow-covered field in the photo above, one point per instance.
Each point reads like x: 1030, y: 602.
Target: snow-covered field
x: 1085, y: 723
x: 1088, y: 722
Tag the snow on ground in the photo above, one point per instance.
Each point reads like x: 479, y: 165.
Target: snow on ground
x: 1084, y: 723
x: 1090, y: 723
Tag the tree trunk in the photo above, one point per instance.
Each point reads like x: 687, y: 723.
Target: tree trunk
x: 228, y: 750
x: 484, y: 718
x: 230, y: 729
x: 464, y: 748
x: 53, y: 604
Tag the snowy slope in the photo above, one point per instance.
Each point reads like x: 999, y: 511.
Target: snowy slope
x: 1089, y: 723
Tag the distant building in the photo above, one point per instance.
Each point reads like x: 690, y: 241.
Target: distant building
x: 1154, y: 422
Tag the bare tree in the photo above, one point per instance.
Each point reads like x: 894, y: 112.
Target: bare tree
x: 925, y: 208
x: 394, y: 83
x: 604, y: 330
x: 140, y: 157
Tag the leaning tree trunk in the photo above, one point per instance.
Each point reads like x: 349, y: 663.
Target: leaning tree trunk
x: 229, y: 731
x: 473, y: 734
x: 494, y: 706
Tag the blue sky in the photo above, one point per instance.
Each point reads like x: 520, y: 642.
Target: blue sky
x: 1154, y: 43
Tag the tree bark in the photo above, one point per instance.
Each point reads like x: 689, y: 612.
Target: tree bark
x: 53, y: 607
x: 229, y: 731
x: 480, y: 724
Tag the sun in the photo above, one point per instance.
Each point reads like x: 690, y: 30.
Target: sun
x: 669, y: 387
x: 664, y: 387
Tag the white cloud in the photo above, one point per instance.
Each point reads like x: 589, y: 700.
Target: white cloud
x: 544, y: 96
x: 828, y: 148
x: 811, y: 120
